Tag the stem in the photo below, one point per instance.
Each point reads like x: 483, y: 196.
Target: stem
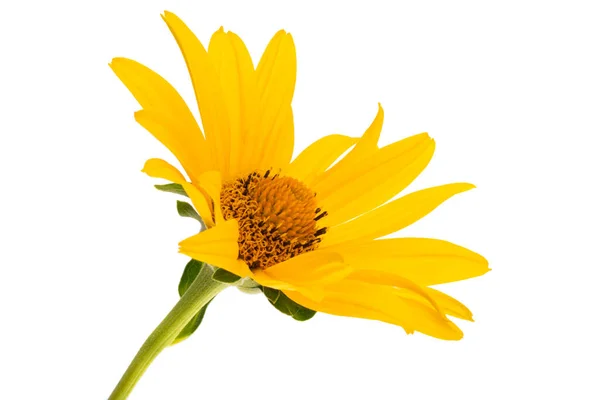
x: 201, y: 291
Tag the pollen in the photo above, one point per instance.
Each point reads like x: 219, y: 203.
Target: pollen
x: 277, y: 217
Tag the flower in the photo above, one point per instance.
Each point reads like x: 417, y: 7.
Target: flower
x: 310, y: 227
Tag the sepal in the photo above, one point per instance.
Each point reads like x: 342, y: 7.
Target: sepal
x: 224, y: 276
x: 287, y: 306
x: 249, y: 286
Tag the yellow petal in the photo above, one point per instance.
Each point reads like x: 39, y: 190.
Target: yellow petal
x: 393, y: 280
x: 393, y: 216
x: 165, y: 114
x: 238, y: 83
x: 280, y: 145
x: 364, y: 300
x: 276, y: 77
x: 368, y: 142
x: 375, y: 179
x: 211, y: 182
x: 441, y: 302
x: 317, y: 157
x: 450, y: 305
x: 348, y: 307
x: 217, y: 246
x: 313, y: 292
x: 430, y: 297
x: 423, y: 261
x: 208, y: 92
x: 306, y: 273
x: 367, y: 145
x: 249, y: 109
x: 311, y: 268
x: 157, y: 168
x: 222, y: 55
x: 200, y: 202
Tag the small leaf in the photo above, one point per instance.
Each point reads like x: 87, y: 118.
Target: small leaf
x: 186, y: 210
x: 271, y: 294
x: 222, y: 275
x: 172, y: 188
x: 288, y: 306
x: 191, y: 326
x: 191, y: 271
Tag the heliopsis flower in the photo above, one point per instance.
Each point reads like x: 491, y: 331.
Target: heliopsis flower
x: 310, y: 227
x: 307, y: 232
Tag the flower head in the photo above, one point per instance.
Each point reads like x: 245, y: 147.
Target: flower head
x: 310, y: 227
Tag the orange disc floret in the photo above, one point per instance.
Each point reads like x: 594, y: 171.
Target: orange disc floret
x: 277, y: 217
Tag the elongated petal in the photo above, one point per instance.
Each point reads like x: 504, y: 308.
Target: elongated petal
x: 364, y: 300
x: 312, y: 292
x: 423, y: 261
x: 368, y: 142
x: 375, y: 180
x: 249, y: 109
x: 211, y: 182
x: 441, y: 302
x: 314, y: 268
x: 280, y: 145
x: 393, y: 216
x: 366, y: 146
x: 276, y: 77
x: 165, y: 114
x: 307, y: 273
x: 217, y: 246
x: 393, y: 280
x: 450, y: 305
x: 317, y: 157
x: 222, y: 55
x: 238, y: 82
x: 152, y: 91
x: 208, y: 92
x: 256, y: 138
x: 200, y: 202
x: 157, y: 168
x: 348, y: 307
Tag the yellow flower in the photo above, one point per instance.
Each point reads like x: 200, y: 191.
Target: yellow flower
x: 308, y: 227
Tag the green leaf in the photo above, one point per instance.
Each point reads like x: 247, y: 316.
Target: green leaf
x: 191, y: 326
x: 288, y: 306
x: 272, y: 294
x: 190, y: 272
x: 222, y: 275
x: 172, y: 188
x: 192, y: 269
x: 186, y: 210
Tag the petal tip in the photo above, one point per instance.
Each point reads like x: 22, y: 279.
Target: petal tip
x: 464, y: 187
x: 115, y: 63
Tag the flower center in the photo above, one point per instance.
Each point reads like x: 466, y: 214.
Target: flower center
x: 277, y: 217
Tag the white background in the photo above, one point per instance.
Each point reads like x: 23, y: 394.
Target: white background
x: 89, y: 263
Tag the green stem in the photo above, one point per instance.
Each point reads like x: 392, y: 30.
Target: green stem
x: 201, y: 291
